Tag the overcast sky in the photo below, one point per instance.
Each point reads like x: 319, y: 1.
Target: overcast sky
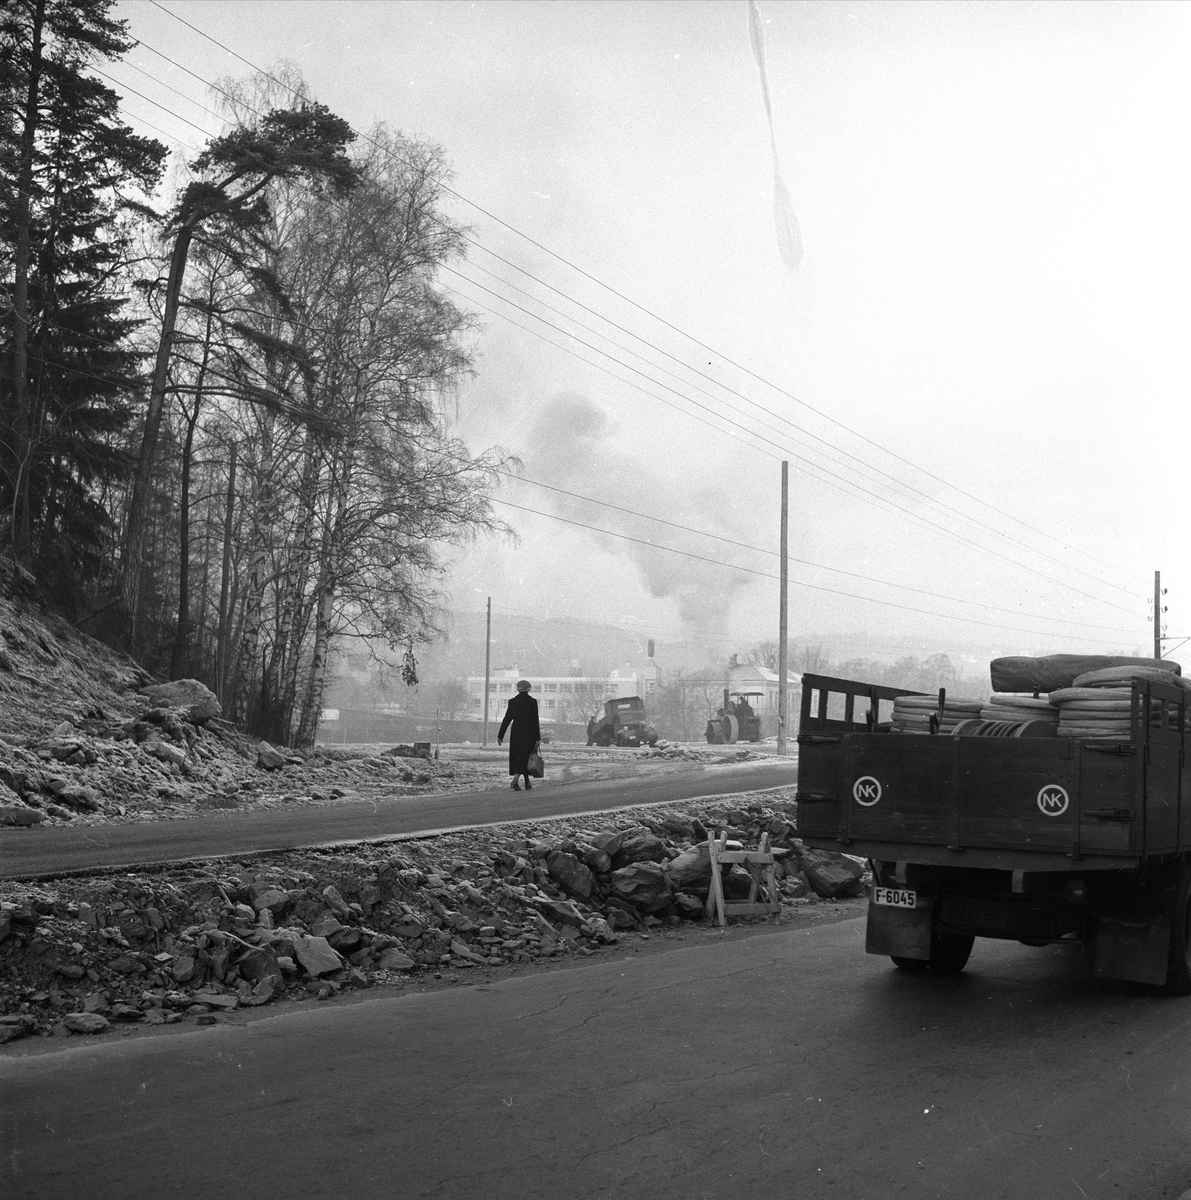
x: 992, y: 204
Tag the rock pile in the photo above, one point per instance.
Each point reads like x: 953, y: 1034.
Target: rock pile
x: 173, y: 757
x: 78, y: 956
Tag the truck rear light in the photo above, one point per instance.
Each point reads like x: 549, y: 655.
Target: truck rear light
x: 1075, y: 891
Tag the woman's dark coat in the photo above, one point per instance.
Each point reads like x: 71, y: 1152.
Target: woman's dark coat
x: 523, y: 713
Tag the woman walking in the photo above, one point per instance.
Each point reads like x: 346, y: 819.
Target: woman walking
x: 523, y: 713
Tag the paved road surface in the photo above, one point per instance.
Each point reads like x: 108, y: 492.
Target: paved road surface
x: 25, y: 852
x: 788, y: 1064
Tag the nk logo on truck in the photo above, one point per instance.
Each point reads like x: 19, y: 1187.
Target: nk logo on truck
x: 1052, y: 800
x: 866, y: 790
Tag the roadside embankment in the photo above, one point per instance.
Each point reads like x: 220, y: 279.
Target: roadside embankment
x: 181, y: 944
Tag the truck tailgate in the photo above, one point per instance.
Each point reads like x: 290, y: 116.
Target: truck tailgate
x: 1044, y: 794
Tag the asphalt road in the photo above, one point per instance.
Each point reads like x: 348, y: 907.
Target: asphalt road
x: 787, y: 1064
x: 34, y: 852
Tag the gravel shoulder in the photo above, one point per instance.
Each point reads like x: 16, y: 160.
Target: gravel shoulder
x: 205, y: 943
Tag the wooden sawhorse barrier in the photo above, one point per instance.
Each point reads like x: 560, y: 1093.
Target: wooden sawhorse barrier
x: 755, y: 862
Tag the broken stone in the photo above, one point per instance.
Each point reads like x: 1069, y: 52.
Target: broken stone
x: 85, y: 1022
x: 217, y: 1000
x: 692, y: 869
x: 20, y: 816
x: 127, y: 964
x: 462, y: 950
x: 638, y: 845
x: 185, y: 969
x: 562, y: 911
x: 198, y: 703
x: 268, y: 758
x: 688, y: 906
x: 831, y: 874
x: 336, y: 903
x: 316, y: 955
x: 394, y: 960
x: 326, y: 927
x: 272, y: 900
x: 595, y: 858
x: 262, y: 993
x: 258, y: 963
x: 644, y: 885
x: 573, y: 876
x: 125, y: 1012
x: 166, y: 752
x: 346, y: 941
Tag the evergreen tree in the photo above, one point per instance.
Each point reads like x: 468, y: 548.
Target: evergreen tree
x: 72, y: 172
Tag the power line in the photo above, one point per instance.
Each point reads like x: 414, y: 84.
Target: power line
x: 881, y: 500
x: 566, y: 262
x: 689, y: 400
x: 766, y: 575
x: 802, y: 561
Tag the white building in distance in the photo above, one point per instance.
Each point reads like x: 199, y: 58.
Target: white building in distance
x: 562, y: 699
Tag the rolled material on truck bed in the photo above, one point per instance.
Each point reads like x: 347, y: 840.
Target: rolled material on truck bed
x: 1060, y: 670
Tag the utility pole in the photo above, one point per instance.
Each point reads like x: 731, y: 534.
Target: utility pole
x: 487, y: 666
x: 1157, y: 614
x: 783, y: 604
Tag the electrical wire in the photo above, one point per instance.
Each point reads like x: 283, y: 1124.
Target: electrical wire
x: 655, y: 382
x: 767, y: 575
x: 808, y: 463
x: 682, y: 333
x: 802, y: 561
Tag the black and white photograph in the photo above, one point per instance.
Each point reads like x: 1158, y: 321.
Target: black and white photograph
x: 593, y: 601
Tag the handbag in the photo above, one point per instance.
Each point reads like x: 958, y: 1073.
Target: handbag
x: 535, y: 767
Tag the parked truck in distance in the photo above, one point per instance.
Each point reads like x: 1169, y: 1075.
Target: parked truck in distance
x: 1036, y: 839
x: 624, y: 724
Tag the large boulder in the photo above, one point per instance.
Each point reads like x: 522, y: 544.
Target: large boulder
x: 85, y: 1022
x: 268, y: 758
x: 316, y: 955
x: 16, y: 814
x: 259, y: 963
x: 594, y: 857
x: 574, y: 877
x: 561, y: 911
x: 831, y: 874
x: 644, y: 885
x: 691, y: 870
x: 637, y: 845
x: 194, y: 700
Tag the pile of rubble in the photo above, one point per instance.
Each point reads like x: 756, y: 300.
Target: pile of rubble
x: 77, y: 956
x: 665, y: 750
x: 175, y: 756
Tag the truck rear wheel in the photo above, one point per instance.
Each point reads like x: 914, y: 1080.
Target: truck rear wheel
x: 1178, y: 972
x: 949, y: 952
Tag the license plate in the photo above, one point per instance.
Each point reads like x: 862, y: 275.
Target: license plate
x: 895, y: 897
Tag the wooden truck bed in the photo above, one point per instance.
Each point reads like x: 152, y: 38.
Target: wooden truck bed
x: 1068, y: 804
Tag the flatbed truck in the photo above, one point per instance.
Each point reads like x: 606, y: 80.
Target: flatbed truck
x: 1039, y: 840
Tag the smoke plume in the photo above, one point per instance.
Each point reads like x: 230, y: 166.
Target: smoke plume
x: 572, y: 447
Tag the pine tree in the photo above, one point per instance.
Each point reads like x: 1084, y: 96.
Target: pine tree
x: 72, y: 173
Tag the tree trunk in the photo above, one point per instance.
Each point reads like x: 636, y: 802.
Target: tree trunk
x: 21, y: 423
x: 296, y: 610
x: 222, y: 645
x: 312, y: 705
x: 134, y: 533
x: 245, y: 696
x: 179, y: 659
